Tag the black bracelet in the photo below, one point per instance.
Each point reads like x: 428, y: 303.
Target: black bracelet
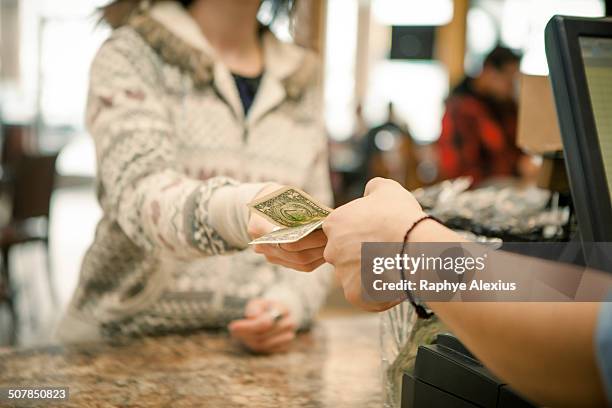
x: 421, y: 311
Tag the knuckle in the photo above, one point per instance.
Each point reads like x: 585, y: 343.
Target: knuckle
x: 250, y: 228
x: 374, y: 182
x: 329, y: 220
x: 329, y: 254
x: 253, y: 229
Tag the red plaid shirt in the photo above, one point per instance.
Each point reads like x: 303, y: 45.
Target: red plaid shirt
x: 478, y: 137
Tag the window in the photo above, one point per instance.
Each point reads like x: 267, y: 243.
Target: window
x: 57, y: 41
x: 416, y: 88
x: 519, y: 24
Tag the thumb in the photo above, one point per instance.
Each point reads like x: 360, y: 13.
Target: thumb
x: 258, y: 226
x: 255, y: 308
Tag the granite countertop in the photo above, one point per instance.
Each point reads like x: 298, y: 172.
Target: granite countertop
x: 334, y: 365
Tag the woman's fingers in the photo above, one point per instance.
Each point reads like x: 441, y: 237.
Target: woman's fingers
x: 284, y: 325
x: 316, y: 239
x: 303, y: 255
x: 251, y: 326
x: 278, y: 342
x: 275, y: 253
x: 298, y: 267
x: 268, y: 342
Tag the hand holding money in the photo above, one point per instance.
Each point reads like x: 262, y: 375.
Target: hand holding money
x: 297, y: 241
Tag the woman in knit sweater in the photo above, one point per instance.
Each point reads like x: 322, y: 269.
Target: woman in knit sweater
x: 195, y: 108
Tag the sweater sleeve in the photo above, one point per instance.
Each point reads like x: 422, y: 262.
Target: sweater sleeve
x: 140, y: 184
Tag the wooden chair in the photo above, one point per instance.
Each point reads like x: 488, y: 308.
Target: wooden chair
x: 30, y: 193
x: 17, y: 140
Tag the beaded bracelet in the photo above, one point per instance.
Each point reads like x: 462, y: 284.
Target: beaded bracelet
x: 421, y: 311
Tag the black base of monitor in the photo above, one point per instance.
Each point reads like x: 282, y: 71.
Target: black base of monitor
x: 447, y: 375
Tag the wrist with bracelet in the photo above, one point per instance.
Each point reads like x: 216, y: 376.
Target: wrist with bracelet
x: 419, y: 307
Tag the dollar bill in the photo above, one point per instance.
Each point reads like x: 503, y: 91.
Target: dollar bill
x: 287, y: 235
x: 290, y: 207
x: 294, y: 211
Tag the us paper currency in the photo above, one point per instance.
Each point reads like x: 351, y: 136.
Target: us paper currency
x: 290, y: 207
x: 296, y: 212
x: 288, y: 235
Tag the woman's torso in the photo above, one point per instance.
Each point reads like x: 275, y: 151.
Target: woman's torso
x: 277, y: 141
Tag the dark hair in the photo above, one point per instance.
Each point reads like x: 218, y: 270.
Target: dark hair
x: 500, y: 56
x: 118, y: 12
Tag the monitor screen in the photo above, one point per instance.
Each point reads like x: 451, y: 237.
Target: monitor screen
x: 597, y: 57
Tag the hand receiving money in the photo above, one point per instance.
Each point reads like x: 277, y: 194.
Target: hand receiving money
x: 298, y: 241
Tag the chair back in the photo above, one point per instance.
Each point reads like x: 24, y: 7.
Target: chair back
x: 33, y: 183
x: 17, y: 141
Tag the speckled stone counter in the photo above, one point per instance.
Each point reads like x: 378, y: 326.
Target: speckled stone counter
x: 334, y: 365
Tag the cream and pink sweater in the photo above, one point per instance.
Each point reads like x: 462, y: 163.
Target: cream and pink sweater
x: 177, y: 162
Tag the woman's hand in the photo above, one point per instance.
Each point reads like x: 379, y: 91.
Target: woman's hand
x: 384, y: 214
x: 267, y: 328
x: 304, y: 255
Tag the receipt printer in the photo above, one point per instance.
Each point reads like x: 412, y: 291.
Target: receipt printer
x: 446, y: 374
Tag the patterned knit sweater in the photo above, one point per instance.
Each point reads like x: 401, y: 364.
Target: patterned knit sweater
x: 177, y: 162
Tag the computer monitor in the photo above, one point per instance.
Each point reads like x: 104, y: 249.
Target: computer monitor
x: 579, y: 52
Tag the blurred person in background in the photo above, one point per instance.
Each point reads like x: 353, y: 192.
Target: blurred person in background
x: 195, y: 107
x: 479, y: 126
x: 389, y: 151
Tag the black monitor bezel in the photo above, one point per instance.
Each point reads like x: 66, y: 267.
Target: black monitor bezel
x: 583, y: 160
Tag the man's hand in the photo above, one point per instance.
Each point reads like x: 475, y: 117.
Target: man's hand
x: 267, y: 327
x: 384, y: 214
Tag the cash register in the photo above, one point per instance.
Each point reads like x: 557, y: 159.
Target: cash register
x: 579, y: 53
